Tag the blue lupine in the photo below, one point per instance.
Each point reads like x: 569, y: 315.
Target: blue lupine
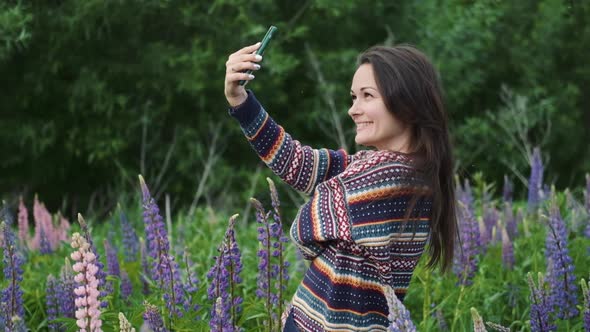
x: 145, y: 267
x: 130, y: 239
x: 126, y: 286
x: 586, y: 295
x: 224, y: 276
x: 535, y: 180
x: 510, y: 221
x: 164, y: 268
x: 265, y: 270
x: 191, y: 286
x: 440, y: 318
x: 51, y: 302
x: 12, y: 295
x: 507, y: 250
x: 508, y: 190
x: 561, y: 278
x: 465, y: 261
x: 65, y: 291
x: 113, y: 268
x: 399, y: 316
x: 152, y: 317
x: 281, y: 268
x: 541, y: 306
x: 44, y: 245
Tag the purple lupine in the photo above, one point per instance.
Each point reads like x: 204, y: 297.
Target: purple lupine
x: 152, y: 317
x: 225, y: 276
x: 44, y: 244
x: 587, y: 204
x: 508, y: 190
x: 281, y: 268
x: 465, y: 261
x: 65, y: 291
x: 586, y: 295
x: 191, y: 285
x: 562, y: 278
x: 145, y: 267
x: 23, y: 222
x: 164, y: 269
x: 126, y: 286
x: 399, y: 316
x: 510, y: 221
x: 535, y: 180
x: 113, y: 267
x: 12, y: 295
x: 51, y: 302
x: 507, y: 250
x: 491, y: 216
x: 218, y: 292
x: 130, y: 239
x: 265, y: 271
x: 541, y: 306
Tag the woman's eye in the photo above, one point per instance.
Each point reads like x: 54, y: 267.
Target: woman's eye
x: 367, y: 95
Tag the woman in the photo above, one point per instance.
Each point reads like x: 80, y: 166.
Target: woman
x: 370, y: 214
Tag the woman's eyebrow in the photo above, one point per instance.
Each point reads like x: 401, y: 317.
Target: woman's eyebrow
x: 363, y: 88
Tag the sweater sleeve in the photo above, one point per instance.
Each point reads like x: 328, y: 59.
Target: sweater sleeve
x: 300, y: 166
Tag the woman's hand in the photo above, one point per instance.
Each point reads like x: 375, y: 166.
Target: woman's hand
x: 237, y: 62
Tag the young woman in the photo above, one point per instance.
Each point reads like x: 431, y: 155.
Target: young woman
x: 370, y: 214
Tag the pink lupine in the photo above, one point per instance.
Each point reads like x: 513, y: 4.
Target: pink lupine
x: 87, y: 304
x: 23, y: 222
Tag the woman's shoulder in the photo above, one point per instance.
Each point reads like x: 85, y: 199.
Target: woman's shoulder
x: 367, y: 159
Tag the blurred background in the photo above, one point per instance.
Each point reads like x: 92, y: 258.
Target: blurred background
x: 95, y: 92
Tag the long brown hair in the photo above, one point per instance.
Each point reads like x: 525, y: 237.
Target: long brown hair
x: 412, y: 92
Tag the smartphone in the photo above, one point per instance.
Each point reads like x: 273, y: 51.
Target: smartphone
x: 262, y: 47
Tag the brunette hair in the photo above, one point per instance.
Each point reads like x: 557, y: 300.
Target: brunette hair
x: 412, y: 92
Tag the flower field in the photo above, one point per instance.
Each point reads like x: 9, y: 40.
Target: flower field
x: 522, y: 265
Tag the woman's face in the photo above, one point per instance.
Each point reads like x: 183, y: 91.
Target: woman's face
x: 375, y: 125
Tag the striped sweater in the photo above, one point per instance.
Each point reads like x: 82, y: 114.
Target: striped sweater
x: 351, y: 227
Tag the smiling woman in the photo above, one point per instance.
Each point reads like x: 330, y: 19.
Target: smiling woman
x: 354, y: 228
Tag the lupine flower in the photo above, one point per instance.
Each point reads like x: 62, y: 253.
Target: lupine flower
x: 440, y: 318
x: 51, y: 302
x: 478, y: 325
x: 101, y: 275
x: 281, y: 268
x: 12, y: 295
x: 541, y: 306
x: 113, y: 268
x: 126, y: 285
x: 65, y: 291
x: 265, y: 272
x: 224, y: 276
x: 23, y: 222
x: 399, y: 316
x: 507, y: 250
x: 44, y: 245
x: 43, y: 225
x: 562, y: 279
x: 465, y: 261
x: 87, y: 303
x: 145, y: 267
x: 508, y: 190
x: 535, y: 180
x: 587, y: 200
x: 498, y: 327
x: 130, y: 239
x: 586, y: 295
x: 510, y: 221
x: 164, y: 270
x: 153, y: 318
x: 191, y: 286
x: 124, y: 325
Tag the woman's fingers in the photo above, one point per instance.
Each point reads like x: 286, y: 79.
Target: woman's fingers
x: 242, y: 66
x: 248, y: 49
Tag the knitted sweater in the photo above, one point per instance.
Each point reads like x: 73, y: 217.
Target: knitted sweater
x: 351, y: 228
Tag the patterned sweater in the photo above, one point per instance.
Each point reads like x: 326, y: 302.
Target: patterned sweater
x: 351, y: 228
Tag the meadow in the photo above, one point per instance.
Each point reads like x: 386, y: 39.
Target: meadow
x: 522, y: 266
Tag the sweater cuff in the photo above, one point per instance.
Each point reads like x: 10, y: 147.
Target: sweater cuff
x: 247, y: 111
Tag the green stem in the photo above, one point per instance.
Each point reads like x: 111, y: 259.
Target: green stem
x: 456, y: 316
